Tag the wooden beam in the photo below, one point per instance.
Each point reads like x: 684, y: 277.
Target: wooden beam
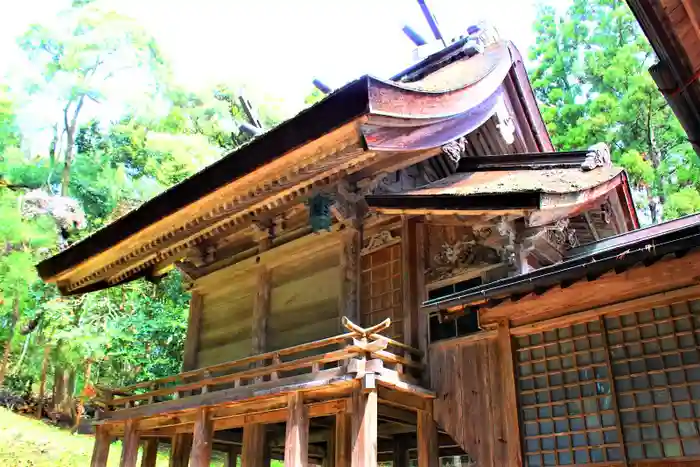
x: 428, y: 449
x: 253, y: 453
x: 509, y: 406
x: 261, y: 311
x: 349, y: 297
x: 203, y: 439
x: 100, y: 451
x: 150, y: 452
x: 364, y: 428
x: 130, y: 446
x: 296, y: 441
x: 194, y: 322
x: 342, y: 443
x: 180, y: 447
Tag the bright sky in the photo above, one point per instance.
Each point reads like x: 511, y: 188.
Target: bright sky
x: 279, y: 46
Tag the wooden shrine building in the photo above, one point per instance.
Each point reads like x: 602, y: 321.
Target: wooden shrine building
x: 407, y: 270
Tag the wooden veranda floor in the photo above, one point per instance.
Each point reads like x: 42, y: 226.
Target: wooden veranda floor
x: 344, y: 404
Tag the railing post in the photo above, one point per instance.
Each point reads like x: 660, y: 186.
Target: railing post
x: 296, y: 441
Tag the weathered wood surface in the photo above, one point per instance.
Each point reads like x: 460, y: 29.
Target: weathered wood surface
x: 261, y: 311
x: 509, y: 405
x: 343, y: 441
x: 194, y: 327
x: 364, y: 428
x: 467, y: 380
x: 349, y: 298
x: 180, y: 448
x: 202, y: 439
x: 202, y: 379
x: 428, y: 448
x: 253, y: 453
x: 611, y: 288
x: 296, y: 442
x: 150, y: 452
x: 130, y: 446
x: 100, y: 450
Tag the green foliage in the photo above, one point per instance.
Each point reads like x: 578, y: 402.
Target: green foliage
x: 592, y: 83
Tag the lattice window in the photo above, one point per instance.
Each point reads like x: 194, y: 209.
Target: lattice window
x: 656, y: 366
x: 567, y: 409
x: 381, y: 289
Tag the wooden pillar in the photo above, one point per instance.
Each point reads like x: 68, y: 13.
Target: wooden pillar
x: 411, y: 299
x: 342, y: 443
x: 364, y: 427
x: 261, y: 311
x: 180, y: 448
x: 130, y: 446
x: 232, y: 456
x: 100, y: 451
x: 428, y: 449
x: 349, y: 298
x: 194, y: 323
x: 253, y: 452
x: 509, y: 405
x: 202, y: 439
x: 296, y: 441
x: 400, y: 454
x: 150, y: 452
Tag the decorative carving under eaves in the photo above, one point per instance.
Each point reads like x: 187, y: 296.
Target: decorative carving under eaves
x: 377, y: 241
x: 562, y: 235
x: 456, y: 149
x: 456, y: 257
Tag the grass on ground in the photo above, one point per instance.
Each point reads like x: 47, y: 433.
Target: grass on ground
x: 26, y: 442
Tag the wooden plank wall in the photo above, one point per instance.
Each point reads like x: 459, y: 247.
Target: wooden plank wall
x: 304, y: 301
x: 226, y: 325
x: 467, y: 378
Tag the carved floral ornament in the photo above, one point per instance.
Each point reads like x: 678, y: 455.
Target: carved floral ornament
x: 468, y: 252
x: 378, y: 241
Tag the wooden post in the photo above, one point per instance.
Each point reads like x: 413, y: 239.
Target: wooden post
x: 364, y: 427
x: 296, y: 441
x: 421, y: 296
x: 261, y: 311
x: 342, y: 440
x: 411, y: 295
x: 428, y: 449
x: 130, y: 446
x: 150, y: 452
x: 194, y: 324
x: 180, y: 449
x: 349, y: 298
x: 100, y: 451
x: 232, y: 456
x: 509, y: 404
x: 253, y: 453
x: 400, y: 454
x: 203, y: 439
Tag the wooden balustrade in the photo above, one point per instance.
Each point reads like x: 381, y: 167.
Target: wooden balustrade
x: 270, y: 366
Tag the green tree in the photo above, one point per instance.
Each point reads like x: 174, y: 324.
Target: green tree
x: 591, y: 79
x: 79, y: 55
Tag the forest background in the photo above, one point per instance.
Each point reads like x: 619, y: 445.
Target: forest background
x: 588, y: 67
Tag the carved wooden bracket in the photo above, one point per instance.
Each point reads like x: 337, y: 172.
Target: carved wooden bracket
x: 377, y: 241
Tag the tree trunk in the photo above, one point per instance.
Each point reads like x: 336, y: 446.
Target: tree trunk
x: 42, y: 383
x: 8, y: 342
x: 70, y: 128
x: 80, y: 407
x: 64, y: 383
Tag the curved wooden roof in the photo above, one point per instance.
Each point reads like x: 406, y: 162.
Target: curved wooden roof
x: 369, y: 121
